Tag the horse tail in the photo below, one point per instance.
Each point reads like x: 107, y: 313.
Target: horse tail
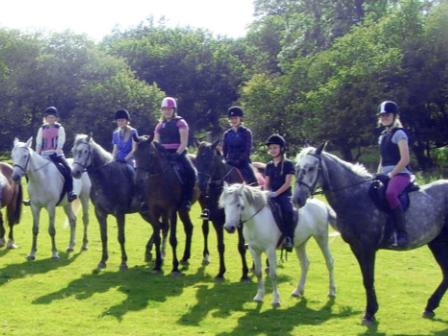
x: 14, y: 212
x: 332, y: 218
x: 76, y: 206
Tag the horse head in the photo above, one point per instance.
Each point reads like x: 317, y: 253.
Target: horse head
x: 206, y: 163
x: 231, y: 201
x: 308, y: 174
x: 20, y: 155
x: 82, y: 154
x: 144, y: 155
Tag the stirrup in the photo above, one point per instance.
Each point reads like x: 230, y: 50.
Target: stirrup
x: 287, y: 244
x: 71, y: 196
x: 205, y: 215
x: 26, y: 202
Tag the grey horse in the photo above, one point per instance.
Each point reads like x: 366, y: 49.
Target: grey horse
x: 365, y: 227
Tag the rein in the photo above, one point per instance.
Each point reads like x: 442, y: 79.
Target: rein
x: 27, y: 163
x: 85, y: 167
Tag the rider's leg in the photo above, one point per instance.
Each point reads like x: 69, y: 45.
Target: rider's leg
x: 395, y: 187
x: 190, y: 182
x: 288, y: 221
x: 248, y: 172
x: 68, y: 177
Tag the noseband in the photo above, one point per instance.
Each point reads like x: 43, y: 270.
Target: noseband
x: 84, y: 167
x: 312, y: 187
x: 24, y: 169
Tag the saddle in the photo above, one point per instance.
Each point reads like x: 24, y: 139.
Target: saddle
x: 180, y: 171
x: 278, y: 217
x: 64, y: 174
x: 377, y: 192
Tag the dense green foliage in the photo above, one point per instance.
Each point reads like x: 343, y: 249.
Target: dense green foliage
x: 307, y: 70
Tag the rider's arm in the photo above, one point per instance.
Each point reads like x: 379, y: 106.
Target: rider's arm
x: 267, y: 182
x: 183, y: 140
x: 39, y: 141
x: 61, y: 139
x: 248, y: 148
x: 131, y: 153
x: 285, y: 185
x: 404, y: 157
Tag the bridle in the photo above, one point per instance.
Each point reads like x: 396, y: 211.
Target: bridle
x: 241, y: 221
x: 25, y: 168
x: 150, y: 167
x: 325, y: 185
x: 84, y: 166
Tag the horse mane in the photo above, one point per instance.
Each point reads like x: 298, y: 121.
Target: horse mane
x: 254, y: 196
x: 207, y: 144
x: 100, y: 150
x: 356, y: 168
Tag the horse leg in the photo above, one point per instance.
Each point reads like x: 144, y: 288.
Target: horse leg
x: 173, y: 242
x: 84, y: 198
x: 72, y: 220
x: 219, y: 228
x: 52, y: 232
x: 2, y: 231
x: 36, y: 215
x: 272, y: 257
x: 325, y: 248
x: 257, y: 270
x: 188, y: 229
x: 156, y: 237
x: 122, y: 241
x: 242, y: 251
x: 439, y: 249
x: 11, y: 244
x: 304, y: 266
x: 102, y: 220
x: 205, y: 252
x: 366, y: 260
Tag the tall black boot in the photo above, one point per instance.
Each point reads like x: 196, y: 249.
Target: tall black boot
x: 68, y: 178
x: 400, y: 222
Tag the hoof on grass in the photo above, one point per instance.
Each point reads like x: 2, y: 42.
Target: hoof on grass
x: 85, y: 248
x: 70, y: 249
x: 175, y: 274
x: 245, y: 279
x: 219, y: 278
x: 428, y: 314
x: 102, y: 265
x: 275, y: 304
x: 368, y: 321
x: 123, y: 267
x: 55, y: 258
x: 184, y: 262
x: 31, y: 258
x: 148, y: 257
x: 205, y: 262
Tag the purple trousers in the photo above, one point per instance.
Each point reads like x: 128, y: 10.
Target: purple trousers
x: 395, y: 187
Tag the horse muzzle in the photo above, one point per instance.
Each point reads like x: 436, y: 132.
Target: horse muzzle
x: 299, y: 199
x: 16, y: 178
x: 230, y: 228
x: 76, y: 173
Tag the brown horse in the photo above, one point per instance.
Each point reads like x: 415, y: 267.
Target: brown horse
x: 12, y: 200
x: 163, y: 193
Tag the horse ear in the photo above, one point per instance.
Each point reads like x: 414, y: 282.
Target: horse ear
x: 215, y: 143
x: 29, y: 142
x: 89, y: 137
x: 320, y: 148
x: 307, y: 144
x: 226, y: 186
x: 240, y: 190
x: 16, y: 141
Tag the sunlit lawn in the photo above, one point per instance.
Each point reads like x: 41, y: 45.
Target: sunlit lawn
x: 68, y: 297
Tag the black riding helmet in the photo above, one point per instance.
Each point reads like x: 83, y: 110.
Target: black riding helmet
x: 51, y: 110
x: 387, y: 106
x: 276, y: 139
x: 122, y: 114
x: 235, y: 111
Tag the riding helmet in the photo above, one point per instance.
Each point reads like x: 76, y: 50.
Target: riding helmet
x: 235, y: 111
x: 387, y: 106
x: 122, y: 114
x: 276, y: 139
x: 169, y: 102
x: 51, y: 110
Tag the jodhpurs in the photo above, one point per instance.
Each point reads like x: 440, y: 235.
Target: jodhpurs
x: 395, y: 187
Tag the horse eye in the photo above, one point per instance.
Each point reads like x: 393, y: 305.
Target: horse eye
x: 311, y: 169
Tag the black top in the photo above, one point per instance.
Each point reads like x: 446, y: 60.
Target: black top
x: 277, y: 178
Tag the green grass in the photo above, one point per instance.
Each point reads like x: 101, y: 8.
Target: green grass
x: 68, y: 297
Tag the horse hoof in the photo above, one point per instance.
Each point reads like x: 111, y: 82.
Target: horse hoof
x: 2, y: 242
x: 219, y: 278
x: 184, y: 262
x: 123, y: 267
x: 31, y: 258
x: 102, y: 265
x: 70, y: 249
x: 297, y: 294
x: 258, y: 300
x: 156, y: 271
x: 55, y: 258
x: 85, y: 248
x: 275, y: 304
x: 368, y: 321
x: 12, y: 246
x: 148, y: 257
x: 428, y: 314
x: 245, y: 279
x: 205, y: 262
x: 175, y: 274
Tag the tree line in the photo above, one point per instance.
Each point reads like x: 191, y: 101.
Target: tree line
x: 308, y: 70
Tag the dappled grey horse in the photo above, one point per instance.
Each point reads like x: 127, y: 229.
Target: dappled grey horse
x: 364, y: 227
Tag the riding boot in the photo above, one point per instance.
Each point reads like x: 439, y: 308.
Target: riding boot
x: 400, y: 222
x: 71, y: 196
x: 287, y: 244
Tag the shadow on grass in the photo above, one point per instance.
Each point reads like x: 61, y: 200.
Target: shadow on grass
x: 19, y: 271
x: 140, y: 286
x: 373, y: 330
x: 283, y: 321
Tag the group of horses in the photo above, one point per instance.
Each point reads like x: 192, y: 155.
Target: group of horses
x: 154, y: 190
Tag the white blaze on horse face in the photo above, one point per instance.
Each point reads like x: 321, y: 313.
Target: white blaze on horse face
x: 231, y: 203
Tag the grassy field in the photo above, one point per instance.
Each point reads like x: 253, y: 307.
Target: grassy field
x: 68, y: 297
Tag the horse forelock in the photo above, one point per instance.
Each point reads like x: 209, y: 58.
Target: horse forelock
x: 253, y: 195
x: 102, y: 153
x: 356, y: 168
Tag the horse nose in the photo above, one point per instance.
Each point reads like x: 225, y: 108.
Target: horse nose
x: 15, y: 178
x: 230, y: 228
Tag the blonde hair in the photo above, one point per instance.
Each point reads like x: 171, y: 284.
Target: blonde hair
x: 396, y: 123
x: 162, y: 117
x: 126, y: 131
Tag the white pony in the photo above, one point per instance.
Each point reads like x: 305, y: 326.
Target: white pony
x: 44, y: 189
x: 247, y: 206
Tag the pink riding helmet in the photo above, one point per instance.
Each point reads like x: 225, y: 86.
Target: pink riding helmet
x: 169, y: 102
